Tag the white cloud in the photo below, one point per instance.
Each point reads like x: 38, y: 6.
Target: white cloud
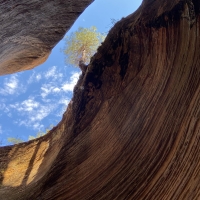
x: 31, y: 113
x: 31, y: 78
x: 26, y: 106
x: 11, y: 86
x: 5, y: 108
x: 35, y: 126
x: 32, y: 109
x: 41, y: 113
x: 30, y: 104
x: 50, y: 100
x: 46, y: 89
x: 69, y: 86
x: 1, y: 129
x: 34, y: 78
x: 64, y: 101
x: 53, y: 73
x: 54, y: 87
x: 38, y: 77
x: 38, y: 126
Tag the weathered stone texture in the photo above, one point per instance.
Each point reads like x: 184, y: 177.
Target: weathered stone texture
x: 132, y: 129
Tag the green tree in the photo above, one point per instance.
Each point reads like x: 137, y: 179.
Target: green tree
x: 39, y: 134
x: 81, y: 45
x: 14, y: 140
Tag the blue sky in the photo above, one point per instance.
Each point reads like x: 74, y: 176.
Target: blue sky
x: 31, y: 101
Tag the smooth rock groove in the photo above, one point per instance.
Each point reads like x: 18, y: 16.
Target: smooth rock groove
x: 133, y: 132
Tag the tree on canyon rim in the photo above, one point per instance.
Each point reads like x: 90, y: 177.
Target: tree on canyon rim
x: 81, y: 46
x: 17, y: 140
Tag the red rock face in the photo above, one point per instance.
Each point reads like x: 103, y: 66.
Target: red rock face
x: 132, y: 129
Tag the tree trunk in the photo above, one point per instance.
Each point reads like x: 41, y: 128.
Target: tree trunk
x: 82, y: 60
x: 134, y: 131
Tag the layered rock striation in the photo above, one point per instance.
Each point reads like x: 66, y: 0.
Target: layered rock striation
x: 132, y: 129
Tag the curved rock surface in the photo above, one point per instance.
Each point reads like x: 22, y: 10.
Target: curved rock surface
x: 31, y: 28
x: 132, y: 129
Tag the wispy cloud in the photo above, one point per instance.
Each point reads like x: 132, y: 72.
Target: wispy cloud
x: 54, y: 87
x: 32, y: 109
x: 12, y: 86
x: 69, y: 85
x: 31, y: 78
x: 32, y: 112
x: 38, y: 126
x: 50, y: 80
x: 35, y: 77
x: 53, y: 73
x: 38, y: 77
x: 42, y: 112
x: 5, y: 108
x: 49, y: 100
x: 47, y: 89
x: 1, y: 129
x: 64, y: 101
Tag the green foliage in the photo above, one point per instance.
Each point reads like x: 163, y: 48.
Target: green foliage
x: 14, y: 140
x: 85, y: 39
x: 39, y: 134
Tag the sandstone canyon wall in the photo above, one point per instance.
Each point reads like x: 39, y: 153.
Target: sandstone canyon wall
x: 30, y: 29
x: 132, y: 129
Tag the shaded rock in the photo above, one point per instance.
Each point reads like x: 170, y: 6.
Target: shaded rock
x: 132, y: 129
x: 30, y: 29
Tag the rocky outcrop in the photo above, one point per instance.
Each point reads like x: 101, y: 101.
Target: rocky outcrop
x: 132, y: 129
x: 30, y: 29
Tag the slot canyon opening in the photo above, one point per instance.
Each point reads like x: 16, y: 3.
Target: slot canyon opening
x: 132, y: 130
x: 33, y: 101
